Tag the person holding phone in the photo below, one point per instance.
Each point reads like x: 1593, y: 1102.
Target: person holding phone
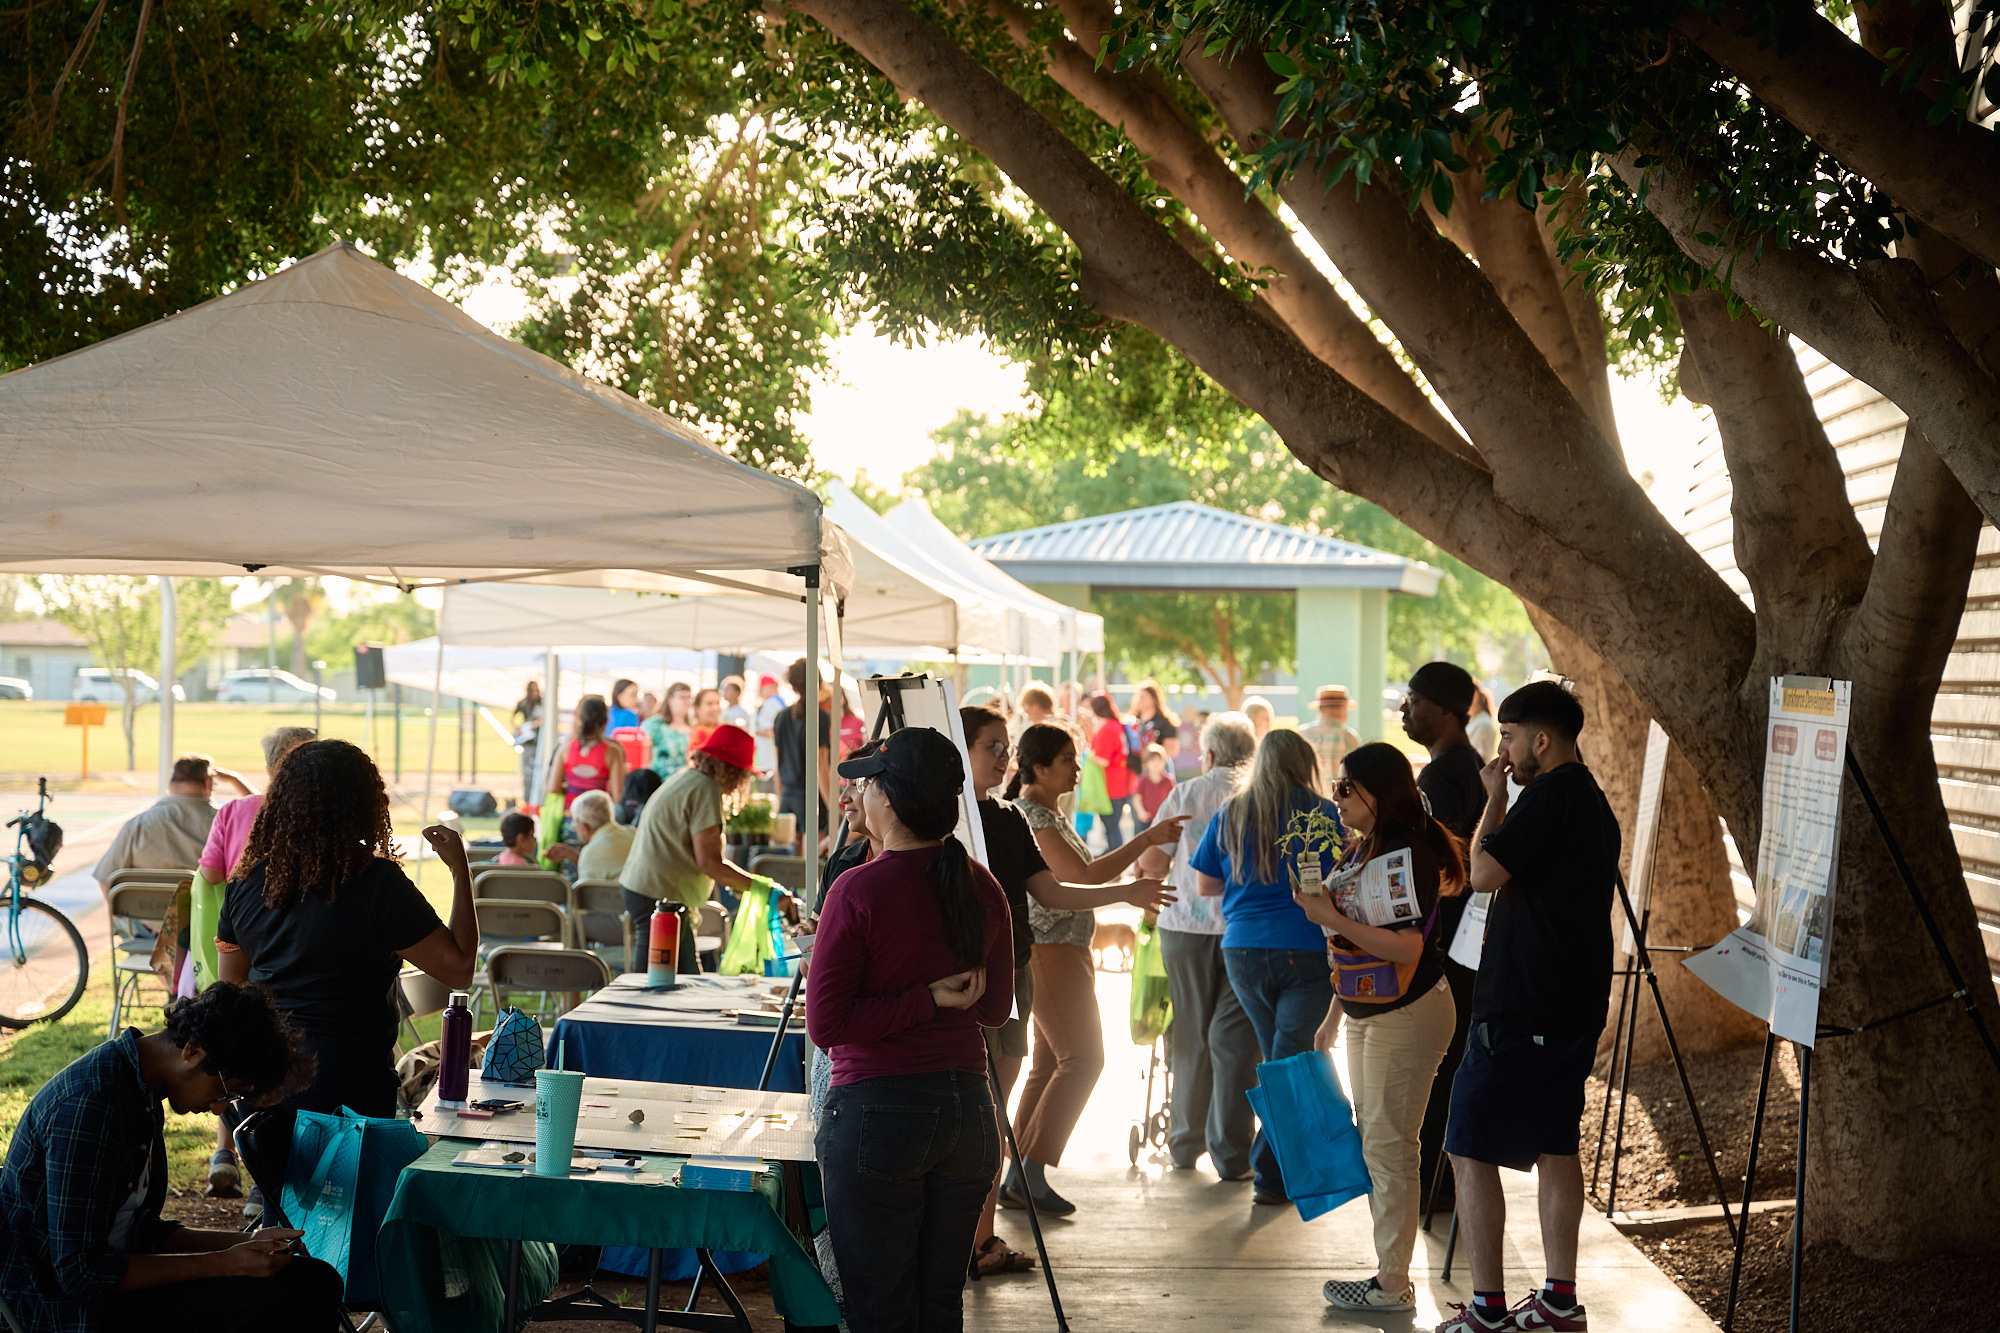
x: 914, y: 955
x: 1399, y: 1033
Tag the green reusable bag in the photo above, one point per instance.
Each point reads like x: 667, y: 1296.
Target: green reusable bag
x: 1092, y: 796
x: 750, y: 937
x: 1152, y: 1010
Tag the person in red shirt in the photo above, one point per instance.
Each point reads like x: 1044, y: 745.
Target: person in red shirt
x: 1107, y: 751
x: 1151, y: 788
x: 914, y: 956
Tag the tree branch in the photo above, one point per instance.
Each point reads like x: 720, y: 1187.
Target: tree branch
x: 1797, y: 539
x: 1189, y: 168
x: 124, y: 101
x: 1874, y: 320
x: 1831, y: 90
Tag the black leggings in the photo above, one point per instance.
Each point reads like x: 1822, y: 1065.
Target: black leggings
x: 303, y: 1298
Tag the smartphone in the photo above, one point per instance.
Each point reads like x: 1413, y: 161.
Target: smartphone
x: 497, y: 1107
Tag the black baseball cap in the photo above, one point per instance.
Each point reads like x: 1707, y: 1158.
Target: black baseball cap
x: 914, y: 754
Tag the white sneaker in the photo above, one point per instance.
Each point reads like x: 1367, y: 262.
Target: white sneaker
x: 1368, y: 1296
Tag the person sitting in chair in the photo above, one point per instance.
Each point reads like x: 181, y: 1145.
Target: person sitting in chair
x: 86, y: 1176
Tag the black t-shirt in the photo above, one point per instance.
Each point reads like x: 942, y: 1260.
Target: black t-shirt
x: 330, y: 960
x: 1458, y: 798
x: 1014, y: 859
x: 1430, y: 964
x: 1161, y: 730
x: 788, y: 735
x: 1546, y: 964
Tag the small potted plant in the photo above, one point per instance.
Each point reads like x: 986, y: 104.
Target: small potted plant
x: 1311, y: 848
x: 750, y: 826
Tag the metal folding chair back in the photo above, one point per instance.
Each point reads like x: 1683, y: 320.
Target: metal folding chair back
x: 138, y: 908
x: 505, y: 921
x: 711, y: 928
x: 571, y: 973
x: 790, y: 871
x: 522, y: 885
x: 598, y: 920
x: 177, y: 879
x: 422, y: 995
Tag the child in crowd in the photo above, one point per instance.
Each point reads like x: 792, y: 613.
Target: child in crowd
x: 1155, y: 781
x: 523, y: 846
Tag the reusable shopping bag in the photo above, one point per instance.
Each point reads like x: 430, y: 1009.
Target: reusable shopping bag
x: 750, y: 937
x: 1310, y: 1125
x: 515, y: 1051
x: 1152, y: 1010
x: 338, y: 1185
x: 1092, y: 796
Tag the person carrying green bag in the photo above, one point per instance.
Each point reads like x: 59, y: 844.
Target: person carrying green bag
x: 677, y: 846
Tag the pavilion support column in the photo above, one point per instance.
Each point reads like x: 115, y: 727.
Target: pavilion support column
x: 1365, y: 713
x: 1332, y: 645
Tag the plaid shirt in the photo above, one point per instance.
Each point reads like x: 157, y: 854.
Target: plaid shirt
x: 76, y: 1156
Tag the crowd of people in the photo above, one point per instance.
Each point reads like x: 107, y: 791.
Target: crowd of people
x: 936, y: 980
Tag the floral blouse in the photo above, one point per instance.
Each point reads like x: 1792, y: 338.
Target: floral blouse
x: 670, y: 746
x: 1053, y: 927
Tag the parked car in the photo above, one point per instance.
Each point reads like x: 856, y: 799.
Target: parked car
x: 257, y: 685
x: 13, y: 687
x: 102, y: 685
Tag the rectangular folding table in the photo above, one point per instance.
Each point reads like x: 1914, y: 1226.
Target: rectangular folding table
x: 682, y: 1035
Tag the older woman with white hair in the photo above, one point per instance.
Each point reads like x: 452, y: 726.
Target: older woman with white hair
x: 1213, y: 1047
x: 606, y: 842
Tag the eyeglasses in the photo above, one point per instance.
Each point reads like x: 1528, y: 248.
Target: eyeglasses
x: 1000, y: 749
x: 1342, y: 789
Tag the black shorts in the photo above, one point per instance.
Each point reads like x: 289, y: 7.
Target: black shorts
x: 1518, y: 1097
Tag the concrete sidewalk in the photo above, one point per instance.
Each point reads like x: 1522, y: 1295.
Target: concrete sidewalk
x: 1150, y: 1248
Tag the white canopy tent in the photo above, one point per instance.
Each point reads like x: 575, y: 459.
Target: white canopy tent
x: 339, y: 419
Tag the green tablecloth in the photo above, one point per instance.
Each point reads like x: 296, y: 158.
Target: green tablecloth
x: 434, y: 1282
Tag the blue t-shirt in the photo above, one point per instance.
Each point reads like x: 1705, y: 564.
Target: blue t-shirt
x: 1257, y: 914
x: 622, y: 717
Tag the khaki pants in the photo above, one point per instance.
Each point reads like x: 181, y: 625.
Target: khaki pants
x: 1391, y: 1060
x: 1069, y: 1051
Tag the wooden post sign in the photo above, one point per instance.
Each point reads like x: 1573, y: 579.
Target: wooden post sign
x: 84, y: 717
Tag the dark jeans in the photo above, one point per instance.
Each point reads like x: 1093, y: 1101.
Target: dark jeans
x: 1114, y: 833
x: 641, y: 907
x: 1438, y: 1112
x: 1286, y: 993
x: 304, y: 1296
x: 907, y: 1160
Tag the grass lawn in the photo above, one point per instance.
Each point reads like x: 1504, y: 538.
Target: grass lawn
x: 32, y: 1056
x: 33, y: 740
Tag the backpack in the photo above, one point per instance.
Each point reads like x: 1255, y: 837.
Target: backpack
x: 1136, y: 739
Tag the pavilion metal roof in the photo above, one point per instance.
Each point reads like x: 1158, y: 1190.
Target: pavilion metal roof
x: 1185, y: 545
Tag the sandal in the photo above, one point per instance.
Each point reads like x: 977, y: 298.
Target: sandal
x: 994, y: 1256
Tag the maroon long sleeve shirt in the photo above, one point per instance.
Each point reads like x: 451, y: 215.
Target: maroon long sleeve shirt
x: 880, y: 946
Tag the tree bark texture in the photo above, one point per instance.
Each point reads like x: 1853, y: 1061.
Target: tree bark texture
x: 1547, y: 509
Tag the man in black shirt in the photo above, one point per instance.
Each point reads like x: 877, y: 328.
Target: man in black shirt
x: 1551, y: 863
x: 1435, y: 711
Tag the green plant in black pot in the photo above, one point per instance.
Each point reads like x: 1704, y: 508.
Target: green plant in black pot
x: 751, y: 825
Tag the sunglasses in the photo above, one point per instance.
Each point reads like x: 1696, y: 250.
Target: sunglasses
x: 1344, y: 788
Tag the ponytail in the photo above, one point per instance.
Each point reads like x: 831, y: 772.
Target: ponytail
x: 967, y: 931
x: 1039, y: 746
x: 1014, y: 785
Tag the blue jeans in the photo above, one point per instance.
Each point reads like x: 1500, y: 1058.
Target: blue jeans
x: 1285, y: 993
x: 906, y: 1161
x: 1114, y: 833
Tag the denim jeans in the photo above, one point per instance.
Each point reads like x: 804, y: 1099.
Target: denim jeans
x: 907, y: 1160
x: 1114, y: 824
x: 1286, y: 993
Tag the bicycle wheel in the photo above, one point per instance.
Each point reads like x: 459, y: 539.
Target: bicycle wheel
x: 43, y: 965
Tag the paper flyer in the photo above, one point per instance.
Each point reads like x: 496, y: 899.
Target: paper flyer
x: 1774, y: 964
x: 1470, y: 938
x: 1384, y: 893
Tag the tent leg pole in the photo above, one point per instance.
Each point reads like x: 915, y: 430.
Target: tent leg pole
x: 431, y: 749
x: 809, y: 821
x: 169, y: 669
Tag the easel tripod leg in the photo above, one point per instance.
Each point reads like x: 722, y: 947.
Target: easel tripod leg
x: 1027, y: 1196
x: 1799, y: 1201
x: 1749, y: 1182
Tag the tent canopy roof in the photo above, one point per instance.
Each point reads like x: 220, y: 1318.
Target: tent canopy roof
x: 1080, y: 631
x: 1185, y: 546
x: 337, y: 418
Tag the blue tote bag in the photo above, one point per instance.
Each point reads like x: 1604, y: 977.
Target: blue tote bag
x: 338, y: 1185
x: 1309, y: 1124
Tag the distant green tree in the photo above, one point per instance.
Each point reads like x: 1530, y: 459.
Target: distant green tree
x: 400, y: 619
x: 119, y: 618
x: 989, y: 479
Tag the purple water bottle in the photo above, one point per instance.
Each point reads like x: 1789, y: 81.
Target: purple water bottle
x: 455, y: 1073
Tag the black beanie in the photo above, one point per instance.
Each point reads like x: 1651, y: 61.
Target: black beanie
x: 1449, y: 687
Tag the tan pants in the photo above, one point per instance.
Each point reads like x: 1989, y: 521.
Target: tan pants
x: 1391, y: 1060
x: 1069, y: 1051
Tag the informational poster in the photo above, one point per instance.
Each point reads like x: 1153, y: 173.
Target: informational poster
x: 1774, y: 965
x: 1646, y: 830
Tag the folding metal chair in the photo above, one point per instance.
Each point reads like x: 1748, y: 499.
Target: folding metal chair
x: 506, y: 923
x: 138, y: 909
x: 598, y: 920
x: 521, y: 885
x: 545, y: 972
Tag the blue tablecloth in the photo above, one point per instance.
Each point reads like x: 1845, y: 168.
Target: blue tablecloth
x: 679, y: 1036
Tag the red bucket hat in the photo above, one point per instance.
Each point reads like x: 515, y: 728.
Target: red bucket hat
x: 732, y: 745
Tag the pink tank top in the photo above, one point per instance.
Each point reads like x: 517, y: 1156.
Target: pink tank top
x: 587, y: 770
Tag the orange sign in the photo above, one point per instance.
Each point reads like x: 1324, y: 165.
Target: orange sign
x: 85, y: 716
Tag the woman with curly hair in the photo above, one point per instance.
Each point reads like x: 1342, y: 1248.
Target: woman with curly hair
x: 322, y: 915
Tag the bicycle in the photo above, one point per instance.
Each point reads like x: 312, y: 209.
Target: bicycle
x: 44, y: 955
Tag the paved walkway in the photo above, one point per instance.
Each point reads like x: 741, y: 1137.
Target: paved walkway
x: 1150, y: 1248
